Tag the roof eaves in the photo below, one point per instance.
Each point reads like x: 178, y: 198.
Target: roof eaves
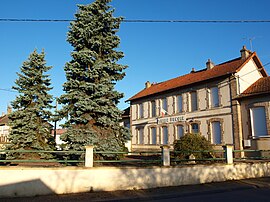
x: 178, y: 87
x: 246, y: 95
x: 260, y: 66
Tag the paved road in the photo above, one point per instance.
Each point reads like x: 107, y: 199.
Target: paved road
x: 242, y: 190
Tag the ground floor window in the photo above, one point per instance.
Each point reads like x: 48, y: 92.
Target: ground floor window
x: 153, y: 136
x: 216, y: 132
x: 140, y: 135
x: 165, y: 137
x: 180, y: 131
x: 258, y: 121
x: 195, y: 128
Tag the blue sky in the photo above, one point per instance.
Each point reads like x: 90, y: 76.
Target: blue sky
x: 153, y: 51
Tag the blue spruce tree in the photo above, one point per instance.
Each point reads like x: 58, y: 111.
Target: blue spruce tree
x: 30, y: 128
x: 90, y: 99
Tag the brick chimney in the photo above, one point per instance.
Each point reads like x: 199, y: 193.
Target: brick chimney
x: 244, y: 53
x: 209, y: 64
x: 9, y: 109
x: 147, y: 84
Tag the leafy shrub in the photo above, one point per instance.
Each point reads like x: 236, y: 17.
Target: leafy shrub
x: 2, y: 156
x: 192, y: 142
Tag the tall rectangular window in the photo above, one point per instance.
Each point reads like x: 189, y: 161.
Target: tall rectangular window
x: 216, y: 132
x: 214, y: 95
x: 153, y: 137
x: 164, y: 107
x: 141, y: 110
x: 165, y: 136
x: 153, y: 109
x: 179, y: 103
x: 195, y: 128
x: 140, y: 135
x: 180, y: 131
x: 258, y: 121
x: 164, y: 104
x: 193, y: 101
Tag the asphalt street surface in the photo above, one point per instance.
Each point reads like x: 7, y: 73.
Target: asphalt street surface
x: 257, y: 189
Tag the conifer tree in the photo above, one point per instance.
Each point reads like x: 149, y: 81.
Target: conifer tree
x: 30, y: 128
x: 90, y: 99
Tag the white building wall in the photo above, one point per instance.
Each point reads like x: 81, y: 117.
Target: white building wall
x: 4, y: 130
x: 247, y: 76
x: 4, y: 133
x: 27, y: 181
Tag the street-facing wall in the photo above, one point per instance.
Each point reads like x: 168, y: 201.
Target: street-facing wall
x: 22, y: 181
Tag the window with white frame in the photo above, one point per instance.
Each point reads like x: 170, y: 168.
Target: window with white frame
x: 214, y: 97
x: 153, y: 108
x: 180, y: 131
x: 153, y: 135
x: 258, y: 122
x: 194, y: 128
x: 165, y: 136
x: 179, y: 105
x: 216, y: 132
x: 140, y: 135
x: 193, y: 101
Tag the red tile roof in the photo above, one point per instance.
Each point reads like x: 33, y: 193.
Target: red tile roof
x: 261, y: 86
x: 223, y: 69
x: 59, y: 131
x: 4, y: 120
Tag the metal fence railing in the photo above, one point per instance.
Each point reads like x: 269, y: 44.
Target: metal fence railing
x: 130, y: 158
x: 249, y: 154
x: 164, y: 157
x: 59, y: 156
x: 205, y: 156
x: 63, y: 157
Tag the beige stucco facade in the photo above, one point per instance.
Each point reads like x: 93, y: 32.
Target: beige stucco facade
x: 222, y: 122
x: 203, y: 116
x: 252, y: 140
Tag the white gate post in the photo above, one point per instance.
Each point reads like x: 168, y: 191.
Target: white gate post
x: 165, y: 155
x: 228, y: 153
x: 89, y: 156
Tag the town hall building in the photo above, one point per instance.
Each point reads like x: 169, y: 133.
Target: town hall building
x: 206, y: 101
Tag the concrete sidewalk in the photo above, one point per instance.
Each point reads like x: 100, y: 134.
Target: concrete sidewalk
x: 161, y: 194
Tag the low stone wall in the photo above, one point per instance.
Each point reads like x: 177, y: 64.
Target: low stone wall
x: 23, y: 181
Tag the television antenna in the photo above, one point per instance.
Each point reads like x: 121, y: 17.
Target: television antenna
x: 250, y: 39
